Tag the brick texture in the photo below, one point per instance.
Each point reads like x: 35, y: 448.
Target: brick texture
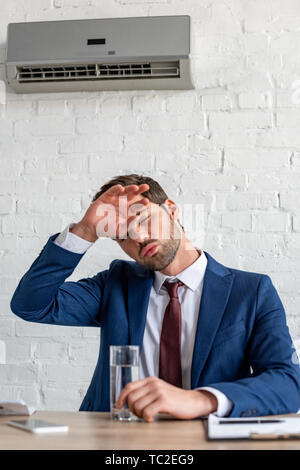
x: 231, y: 145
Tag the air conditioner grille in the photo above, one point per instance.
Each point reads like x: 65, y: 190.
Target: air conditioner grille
x: 102, y: 71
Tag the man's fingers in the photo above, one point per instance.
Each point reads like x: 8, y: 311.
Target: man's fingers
x: 138, y: 393
x: 130, y: 191
x: 115, y: 190
x: 130, y: 388
x: 125, y: 392
x: 137, y: 406
x: 141, y: 204
x: 143, y: 188
x: 133, y: 190
x: 152, y: 409
x: 145, y: 397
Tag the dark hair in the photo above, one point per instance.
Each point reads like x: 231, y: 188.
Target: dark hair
x: 155, y: 193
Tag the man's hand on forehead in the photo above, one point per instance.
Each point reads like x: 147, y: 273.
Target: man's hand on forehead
x: 125, y: 204
x: 109, y: 212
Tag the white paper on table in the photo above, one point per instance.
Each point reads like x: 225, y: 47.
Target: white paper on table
x: 242, y: 431
x: 15, y: 408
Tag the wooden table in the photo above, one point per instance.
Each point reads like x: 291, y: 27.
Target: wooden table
x: 96, y: 431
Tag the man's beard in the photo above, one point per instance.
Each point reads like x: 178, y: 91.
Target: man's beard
x: 163, y: 257
x: 166, y: 252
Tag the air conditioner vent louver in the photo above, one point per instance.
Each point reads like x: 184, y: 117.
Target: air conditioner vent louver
x: 98, y: 71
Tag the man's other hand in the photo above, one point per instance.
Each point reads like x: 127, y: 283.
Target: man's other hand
x: 152, y: 395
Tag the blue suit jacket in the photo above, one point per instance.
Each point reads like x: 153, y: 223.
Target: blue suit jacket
x: 242, y: 344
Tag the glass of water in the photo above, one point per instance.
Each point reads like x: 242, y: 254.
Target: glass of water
x: 124, y: 368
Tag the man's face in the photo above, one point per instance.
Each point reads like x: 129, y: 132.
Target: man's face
x: 154, y: 236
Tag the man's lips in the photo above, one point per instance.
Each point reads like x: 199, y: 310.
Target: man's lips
x: 149, y: 249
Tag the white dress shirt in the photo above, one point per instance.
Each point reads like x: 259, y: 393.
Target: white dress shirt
x: 189, y: 297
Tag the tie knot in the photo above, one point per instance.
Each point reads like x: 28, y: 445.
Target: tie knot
x: 172, y: 288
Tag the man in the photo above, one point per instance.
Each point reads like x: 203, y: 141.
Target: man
x: 212, y: 339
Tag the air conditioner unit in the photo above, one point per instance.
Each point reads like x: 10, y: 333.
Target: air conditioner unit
x: 143, y: 53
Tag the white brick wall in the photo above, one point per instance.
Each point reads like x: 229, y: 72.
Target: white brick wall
x: 232, y: 144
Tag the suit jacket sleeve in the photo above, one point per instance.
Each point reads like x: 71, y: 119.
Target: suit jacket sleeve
x: 273, y: 387
x: 43, y: 296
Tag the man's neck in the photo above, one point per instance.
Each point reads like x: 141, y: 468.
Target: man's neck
x: 186, y: 255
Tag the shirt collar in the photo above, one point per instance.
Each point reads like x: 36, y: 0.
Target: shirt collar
x: 192, y: 276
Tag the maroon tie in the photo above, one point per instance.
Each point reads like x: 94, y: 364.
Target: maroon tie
x: 170, y: 338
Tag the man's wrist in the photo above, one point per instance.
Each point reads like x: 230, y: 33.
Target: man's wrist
x: 209, y: 402
x: 84, y: 232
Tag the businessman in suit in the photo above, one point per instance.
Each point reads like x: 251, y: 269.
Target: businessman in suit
x: 213, y: 339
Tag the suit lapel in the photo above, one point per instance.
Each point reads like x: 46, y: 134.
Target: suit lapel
x: 216, y: 289
x: 140, y: 281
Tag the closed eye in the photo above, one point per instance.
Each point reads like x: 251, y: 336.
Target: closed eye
x: 120, y: 240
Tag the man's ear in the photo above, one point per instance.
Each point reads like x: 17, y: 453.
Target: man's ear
x: 172, y: 208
